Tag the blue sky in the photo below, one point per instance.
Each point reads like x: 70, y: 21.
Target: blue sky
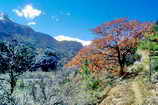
x: 75, y: 18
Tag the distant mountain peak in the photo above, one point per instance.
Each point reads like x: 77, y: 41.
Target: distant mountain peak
x: 4, y: 17
x: 10, y: 30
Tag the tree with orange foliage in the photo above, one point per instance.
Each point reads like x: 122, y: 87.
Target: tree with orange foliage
x: 115, y: 46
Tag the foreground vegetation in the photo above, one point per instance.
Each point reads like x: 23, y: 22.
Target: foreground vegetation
x: 120, y: 67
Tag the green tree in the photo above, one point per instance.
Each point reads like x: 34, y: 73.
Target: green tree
x: 150, y: 41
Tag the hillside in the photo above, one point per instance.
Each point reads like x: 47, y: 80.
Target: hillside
x: 10, y: 30
x: 117, y: 68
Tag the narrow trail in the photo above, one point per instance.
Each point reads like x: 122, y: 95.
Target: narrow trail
x: 137, y: 92
x: 129, y: 94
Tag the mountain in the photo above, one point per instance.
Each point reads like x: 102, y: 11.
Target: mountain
x: 10, y: 30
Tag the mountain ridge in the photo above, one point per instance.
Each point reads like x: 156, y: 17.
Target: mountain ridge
x: 10, y: 30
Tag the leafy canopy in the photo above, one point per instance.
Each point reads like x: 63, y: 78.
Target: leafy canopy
x: 117, y: 42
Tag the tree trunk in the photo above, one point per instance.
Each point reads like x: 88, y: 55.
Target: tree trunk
x: 12, y: 82
x: 121, y: 70
x: 120, y: 61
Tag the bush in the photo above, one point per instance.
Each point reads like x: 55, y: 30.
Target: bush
x: 90, y: 80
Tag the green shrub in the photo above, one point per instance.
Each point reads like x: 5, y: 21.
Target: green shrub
x: 150, y: 41
x: 91, y: 81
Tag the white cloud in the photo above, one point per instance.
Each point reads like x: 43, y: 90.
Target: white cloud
x: 31, y: 23
x: 28, y: 12
x: 67, y: 38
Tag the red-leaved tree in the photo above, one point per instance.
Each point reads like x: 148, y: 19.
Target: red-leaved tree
x: 117, y: 42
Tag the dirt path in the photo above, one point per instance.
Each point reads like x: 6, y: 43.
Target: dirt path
x: 137, y: 92
x: 129, y: 94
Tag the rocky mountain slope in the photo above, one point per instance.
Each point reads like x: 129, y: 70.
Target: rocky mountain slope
x: 10, y: 30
